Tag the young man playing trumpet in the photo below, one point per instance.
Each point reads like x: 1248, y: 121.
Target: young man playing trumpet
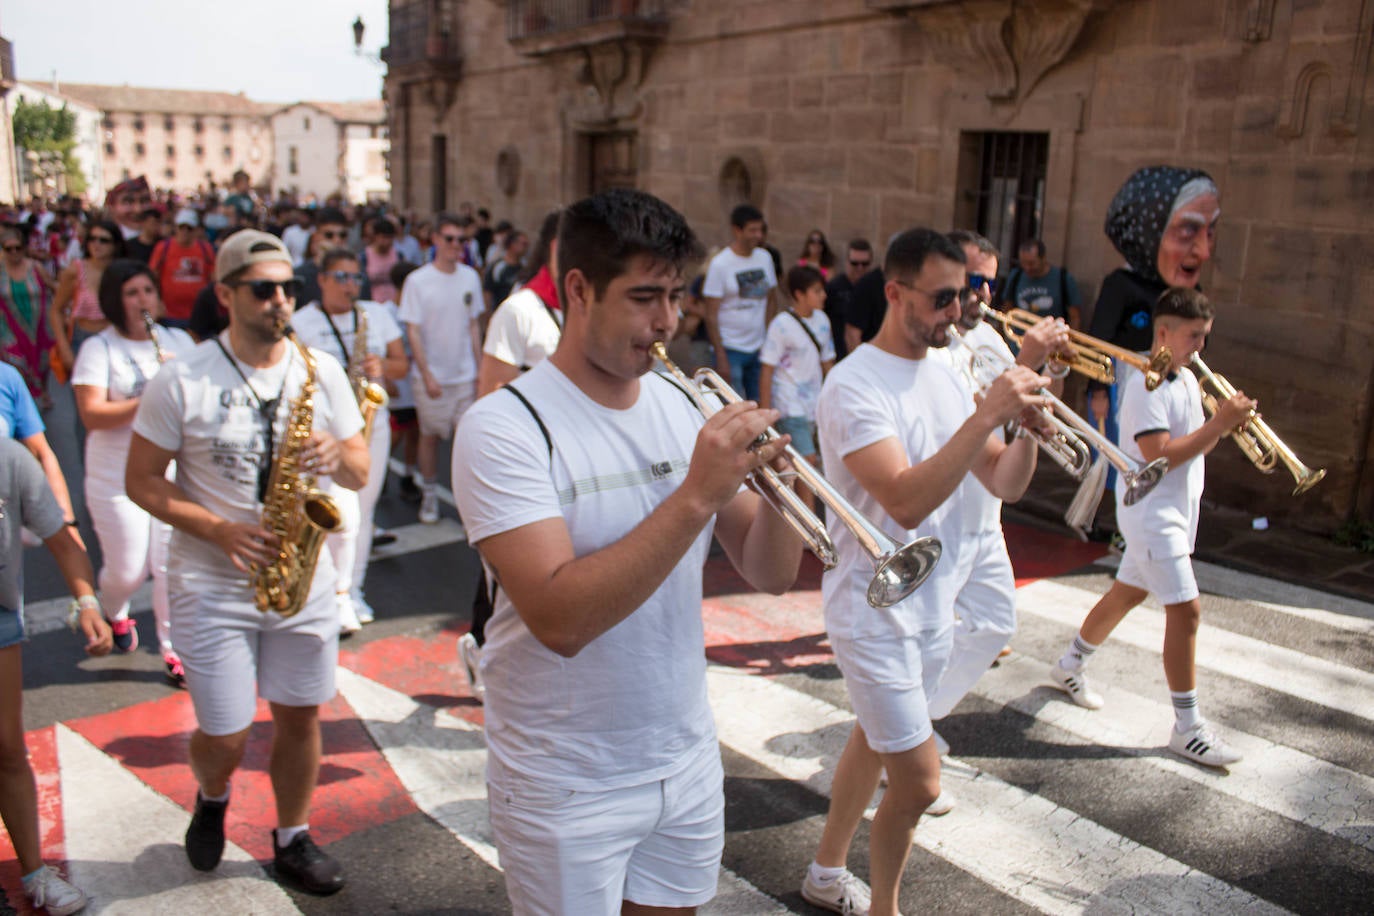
x: 985, y: 605
x: 592, y: 489
x: 899, y: 438
x: 1161, y: 528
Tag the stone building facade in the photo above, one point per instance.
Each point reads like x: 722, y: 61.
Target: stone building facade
x: 1016, y: 117
x: 182, y: 140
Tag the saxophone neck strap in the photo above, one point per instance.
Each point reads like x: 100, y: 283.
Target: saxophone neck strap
x: 267, y: 414
x: 347, y: 356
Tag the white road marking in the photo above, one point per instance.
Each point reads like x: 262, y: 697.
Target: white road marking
x: 1025, y: 846
x: 1233, y: 655
x: 124, y: 846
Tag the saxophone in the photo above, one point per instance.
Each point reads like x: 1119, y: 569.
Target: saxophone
x: 151, y: 325
x: 371, y: 396
x: 294, y: 509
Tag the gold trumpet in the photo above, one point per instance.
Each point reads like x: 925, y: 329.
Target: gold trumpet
x: 898, y: 569
x: 1088, y: 355
x: 1071, y: 433
x: 1259, y: 443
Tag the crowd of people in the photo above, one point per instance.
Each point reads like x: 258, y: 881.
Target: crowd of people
x: 200, y: 336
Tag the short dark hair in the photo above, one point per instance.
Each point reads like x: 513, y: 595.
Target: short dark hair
x: 599, y: 235
x: 801, y: 278
x: 330, y: 216
x: 861, y: 245
x: 1184, y: 303
x: 399, y: 271
x: 981, y: 242
x: 383, y: 226
x: 150, y: 212
x: 334, y: 256
x: 456, y: 220
x: 907, y: 253
x: 1028, y: 244
x: 538, y: 256
x: 745, y: 214
x: 111, y: 294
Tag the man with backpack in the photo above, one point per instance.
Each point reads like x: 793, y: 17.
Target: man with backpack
x: 183, y: 265
x: 1041, y: 289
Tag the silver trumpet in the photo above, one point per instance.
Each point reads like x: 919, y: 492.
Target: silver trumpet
x: 1071, y: 435
x: 898, y: 569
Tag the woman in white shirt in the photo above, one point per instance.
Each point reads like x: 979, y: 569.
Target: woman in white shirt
x: 108, y: 379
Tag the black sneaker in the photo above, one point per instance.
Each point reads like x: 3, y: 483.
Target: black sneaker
x: 308, y: 865
x: 205, y: 836
x: 410, y: 490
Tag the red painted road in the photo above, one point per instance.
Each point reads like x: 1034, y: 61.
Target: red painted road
x: 358, y: 789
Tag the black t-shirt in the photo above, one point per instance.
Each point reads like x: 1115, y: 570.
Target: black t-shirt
x: 136, y: 250
x: 838, y: 292
x: 500, y: 280
x: 868, y: 304
x: 1124, y: 306
x: 208, y: 317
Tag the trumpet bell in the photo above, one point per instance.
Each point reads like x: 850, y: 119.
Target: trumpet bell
x: 1309, y: 480
x: 903, y: 571
x: 1140, y: 483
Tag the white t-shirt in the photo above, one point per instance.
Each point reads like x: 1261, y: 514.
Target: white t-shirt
x: 122, y: 367
x: 985, y: 510
x: 631, y: 707
x: 201, y: 409
x: 741, y: 285
x: 443, y: 306
x: 1165, y: 521
x: 521, y: 332
x: 869, y: 396
x: 312, y: 326
x: 402, y: 399
x: 296, y: 238
x: 797, y: 372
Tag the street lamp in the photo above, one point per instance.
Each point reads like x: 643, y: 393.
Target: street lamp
x: 358, y: 29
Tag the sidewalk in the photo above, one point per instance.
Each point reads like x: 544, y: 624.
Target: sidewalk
x: 1226, y: 538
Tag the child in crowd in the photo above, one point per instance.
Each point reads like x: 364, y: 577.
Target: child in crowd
x: 1161, y: 528
x: 797, y: 353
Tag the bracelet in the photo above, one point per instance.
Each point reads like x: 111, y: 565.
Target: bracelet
x: 84, y: 603
x: 73, y: 523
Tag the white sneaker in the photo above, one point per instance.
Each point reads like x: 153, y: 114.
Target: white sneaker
x: 470, y: 654
x: 943, y: 804
x: 361, y: 608
x: 846, y: 895
x: 348, y: 617
x: 1075, y: 684
x: 429, y: 505
x: 1201, y: 745
x: 48, y: 890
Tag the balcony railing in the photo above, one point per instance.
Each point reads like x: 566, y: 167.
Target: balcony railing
x: 422, y: 32
x: 6, y: 63
x: 534, y: 19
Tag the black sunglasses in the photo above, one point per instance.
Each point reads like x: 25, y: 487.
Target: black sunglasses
x: 100, y: 238
x: 264, y: 290
x: 14, y: 248
x: 978, y: 281
x: 942, y: 298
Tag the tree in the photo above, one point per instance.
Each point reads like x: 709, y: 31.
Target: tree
x: 41, y: 128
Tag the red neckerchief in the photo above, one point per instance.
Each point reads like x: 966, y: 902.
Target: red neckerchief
x: 543, y: 286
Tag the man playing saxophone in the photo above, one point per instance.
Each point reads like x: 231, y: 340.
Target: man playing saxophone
x: 224, y: 413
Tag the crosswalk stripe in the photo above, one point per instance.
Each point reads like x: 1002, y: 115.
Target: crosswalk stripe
x: 398, y: 468
x: 109, y: 813
x: 1242, y: 657
x: 441, y: 760
x: 1273, y: 777
x: 1029, y: 848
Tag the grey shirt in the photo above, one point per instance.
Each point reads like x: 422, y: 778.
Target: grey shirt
x: 26, y: 501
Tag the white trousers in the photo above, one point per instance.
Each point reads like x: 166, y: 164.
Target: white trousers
x: 351, y: 545
x: 133, y: 546
x: 985, y: 620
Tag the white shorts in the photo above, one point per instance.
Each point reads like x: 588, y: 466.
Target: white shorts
x: 889, y: 679
x: 567, y: 852
x: 439, y: 416
x: 1170, y: 579
x: 234, y: 653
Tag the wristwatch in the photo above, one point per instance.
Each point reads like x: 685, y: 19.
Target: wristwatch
x: 78, y: 605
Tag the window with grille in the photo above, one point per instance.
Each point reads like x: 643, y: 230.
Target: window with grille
x: 1002, y: 186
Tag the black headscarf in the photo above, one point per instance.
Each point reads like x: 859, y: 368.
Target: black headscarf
x: 1140, y: 213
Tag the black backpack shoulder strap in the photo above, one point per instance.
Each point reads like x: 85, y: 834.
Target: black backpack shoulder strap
x: 807, y: 330
x: 548, y: 440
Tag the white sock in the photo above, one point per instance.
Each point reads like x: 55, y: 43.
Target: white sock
x: 205, y: 796
x: 1185, y: 710
x: 286, y: 834
x: 1080, y: 650
x: 32, y: 876
x: 824, y: 876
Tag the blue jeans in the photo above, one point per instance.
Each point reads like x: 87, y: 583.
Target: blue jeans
x: 744, y: 372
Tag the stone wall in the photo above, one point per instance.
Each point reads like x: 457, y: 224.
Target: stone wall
x: 848, y: 116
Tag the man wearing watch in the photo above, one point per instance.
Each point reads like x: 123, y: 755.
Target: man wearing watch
x: 27, y: 502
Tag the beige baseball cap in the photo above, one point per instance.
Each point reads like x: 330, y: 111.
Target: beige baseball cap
x: 249, y: 246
